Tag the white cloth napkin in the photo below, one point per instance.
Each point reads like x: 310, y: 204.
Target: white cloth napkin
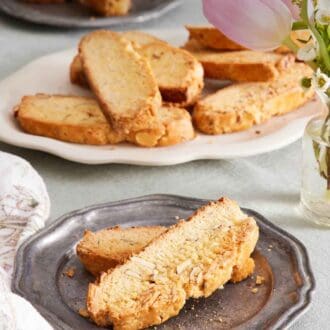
x: 24, y: 208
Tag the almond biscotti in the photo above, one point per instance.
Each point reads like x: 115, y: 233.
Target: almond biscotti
x: 239, y: 107
x: 241, y: 66
x: 107, y: 248
x: 179, y: 75
x: 210, y: 37
x: 191, y: 259
x: 80, y: 120
x: 108, y: 7
x: 124, y: 85
x: 68, y: 118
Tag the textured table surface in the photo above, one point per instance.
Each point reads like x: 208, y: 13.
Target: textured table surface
x: 269, y: 183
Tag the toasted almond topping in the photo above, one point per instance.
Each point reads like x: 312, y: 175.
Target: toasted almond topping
x: 83, y: 312
x: 144, y: 263
x: 133, y: 274
x: 260, y: 280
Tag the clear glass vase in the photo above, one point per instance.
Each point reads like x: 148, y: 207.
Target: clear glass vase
x: 315, y: 191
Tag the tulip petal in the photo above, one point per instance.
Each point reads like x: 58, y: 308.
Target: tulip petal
x: 295, y: 11
x: 255, y: 24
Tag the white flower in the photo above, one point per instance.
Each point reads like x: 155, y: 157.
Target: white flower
x: 307, y: 53
x: 321, y: 84
x: 323, y: 16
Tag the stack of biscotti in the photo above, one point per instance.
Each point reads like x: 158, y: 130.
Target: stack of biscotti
x: 178, y: 74
x: 191, y: 259
x: 105, y: 249
x: 226, y: 60
x: 127, y: 105
x: 269, y: 83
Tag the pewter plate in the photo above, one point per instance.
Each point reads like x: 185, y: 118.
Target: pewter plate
x: 280, y: 258
x: 73, y: 15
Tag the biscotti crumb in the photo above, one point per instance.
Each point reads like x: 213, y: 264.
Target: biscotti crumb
x: 83, y: 312
x: 260, y: 280
x: 254, y: 290
x: 70, y: 272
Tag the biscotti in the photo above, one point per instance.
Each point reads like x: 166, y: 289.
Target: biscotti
x: 107, y: 248
x: 241, y: 66
x: 110, y: 247
x: 108, y: 7
x: 191, y: 259
x: 124, y: 85
x: 239, y: 107
x: 68, y: 118
x: 178, y: 74
x: 210, y: 37
x: 140, y: 39
x: 80, y: 120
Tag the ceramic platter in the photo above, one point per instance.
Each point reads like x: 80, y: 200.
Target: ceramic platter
x: 50, y: 74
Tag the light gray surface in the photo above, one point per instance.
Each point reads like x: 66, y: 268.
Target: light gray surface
x: 269, y: 183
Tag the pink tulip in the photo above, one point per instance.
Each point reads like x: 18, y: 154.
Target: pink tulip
x: 255, y: 24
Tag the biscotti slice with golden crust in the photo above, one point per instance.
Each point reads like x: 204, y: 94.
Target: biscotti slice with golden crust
x: 138, y: 39
x: 110, y: 247
x: 239, y: 107
x: 107, y: 248
x: 191, y: 259
x: 108, y: 7
x: 67, y: 118
x: 241, y: 66
x: 80, y: 120
x: 124, y: 85
x: 211, y: 37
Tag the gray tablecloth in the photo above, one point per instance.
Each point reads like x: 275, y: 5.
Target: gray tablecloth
x: 269, y: 183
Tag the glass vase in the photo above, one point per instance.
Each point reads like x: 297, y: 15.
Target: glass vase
x: 315, y: 191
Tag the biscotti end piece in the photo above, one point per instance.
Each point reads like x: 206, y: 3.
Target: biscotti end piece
x: 67, y: 118
x: 239, y: 107
x: 211, y: 37
x: 108, y: 7
x: 124, y: 85
x: 179, y: 75
x: 191, y: 259
x: 241, y: 66
x: 107, y: 248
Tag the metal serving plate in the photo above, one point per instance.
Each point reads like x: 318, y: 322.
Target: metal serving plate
x: 74, y: 15
x: 280, y: 258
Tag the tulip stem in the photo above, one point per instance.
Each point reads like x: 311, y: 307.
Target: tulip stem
x: 290, y: 44
x: 322, y: 45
